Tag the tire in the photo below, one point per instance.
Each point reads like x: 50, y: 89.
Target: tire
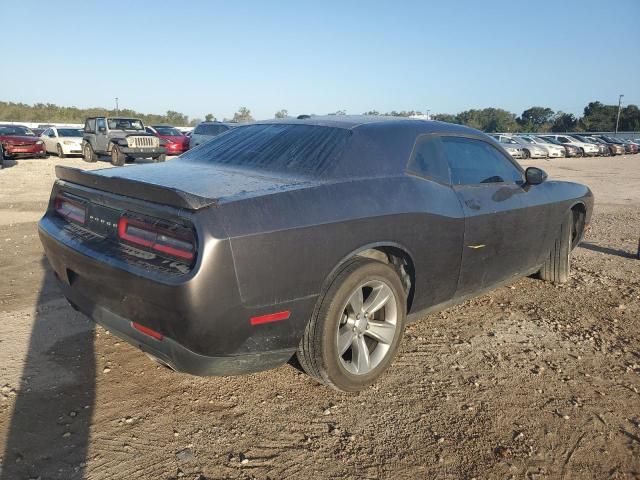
x: 334, y: 317
x: 581, y: 152
x: 88, y: 155
x: 1, y: 157
x: 117, y: 158
x: 557, y: 265
x: 526, y: 154
x: 60, y: 151
x: 160, y: 158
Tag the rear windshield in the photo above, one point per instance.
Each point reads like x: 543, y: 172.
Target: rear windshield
x: 208, y: 129
x: 303, y: 149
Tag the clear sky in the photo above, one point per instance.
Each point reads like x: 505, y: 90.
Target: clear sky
x: 201, y: 57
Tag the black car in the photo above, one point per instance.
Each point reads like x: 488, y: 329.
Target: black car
x: 314, y: 237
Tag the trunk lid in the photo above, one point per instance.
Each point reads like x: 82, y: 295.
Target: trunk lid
x: 185, y: 184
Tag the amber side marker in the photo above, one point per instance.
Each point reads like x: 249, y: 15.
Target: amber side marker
x: 271, y: 317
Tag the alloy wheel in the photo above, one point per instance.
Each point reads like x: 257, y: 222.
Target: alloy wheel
x: 367, y: 327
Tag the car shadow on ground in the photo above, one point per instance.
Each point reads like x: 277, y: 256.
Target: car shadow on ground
x: 48, y: 436
x: 608, y: 250
x: 6, y: 163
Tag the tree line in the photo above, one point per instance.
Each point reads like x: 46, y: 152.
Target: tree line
x: 50, y: 113
x: 596, y: 117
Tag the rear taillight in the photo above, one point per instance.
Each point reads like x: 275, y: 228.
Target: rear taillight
x: 176, y: 241
x: 71, y: 209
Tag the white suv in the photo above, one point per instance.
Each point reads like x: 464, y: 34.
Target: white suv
x: 589, y: 149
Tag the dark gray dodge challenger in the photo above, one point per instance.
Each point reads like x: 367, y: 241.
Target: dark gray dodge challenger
x: 314, y: 237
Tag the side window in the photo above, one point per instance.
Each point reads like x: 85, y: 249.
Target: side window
x: 52, y: 133
x: 198, y: 129
x: 427, y: 160
x: 90, y: 125
x: 563, y: 139
x: 474, y: 161
x: 101, y: 123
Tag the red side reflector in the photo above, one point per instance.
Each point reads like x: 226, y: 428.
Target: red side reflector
x: 147, y: 331
x: 272, y: 317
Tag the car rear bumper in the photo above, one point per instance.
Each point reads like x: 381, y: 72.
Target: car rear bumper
x: 168, y: 351
x: 203, y: 333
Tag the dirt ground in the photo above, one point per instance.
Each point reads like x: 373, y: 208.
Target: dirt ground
x: 532, y: 381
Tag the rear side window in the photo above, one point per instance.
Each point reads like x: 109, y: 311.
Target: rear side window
x: 305, y: 149
x: 211, y: 130
x: 90, y: 125
x: 474, y: 162
x: 428, y: 161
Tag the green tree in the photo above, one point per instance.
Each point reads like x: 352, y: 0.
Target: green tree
x: 630, y: 118
x: 372, y: 112
x: 243, y: 115
x: 599, y: 117
x: 564, y: 122
x: 444, y: 117
x: 535, y: 119
x: 282, y: 113
x: 209, y: 117
x: 339, y: 112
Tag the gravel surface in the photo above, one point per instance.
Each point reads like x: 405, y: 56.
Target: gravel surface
x: 531, y: 381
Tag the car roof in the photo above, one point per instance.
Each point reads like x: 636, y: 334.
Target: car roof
x: 353, y: 122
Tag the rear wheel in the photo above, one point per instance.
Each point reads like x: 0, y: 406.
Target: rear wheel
x: 356, y: 328
x: 88, y: 154
x: 557, y: 265
x: 60, y: 151
x: 117, y: 157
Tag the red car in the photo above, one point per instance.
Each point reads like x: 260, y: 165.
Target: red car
x: 176, y: 142
x: 17, y: 141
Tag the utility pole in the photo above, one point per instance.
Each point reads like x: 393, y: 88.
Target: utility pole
x: 428, y: 114
x: 618, y: 117
x: 118, y: 109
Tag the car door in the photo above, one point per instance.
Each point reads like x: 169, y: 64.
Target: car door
x: 101, y: 134
x: 505, y: 220
x: 437, y: 254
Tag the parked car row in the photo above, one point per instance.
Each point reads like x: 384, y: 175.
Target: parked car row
x: 550, y: 145
x: 21, y: 141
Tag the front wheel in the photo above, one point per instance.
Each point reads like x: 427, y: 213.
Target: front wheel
x: 117, y: 157
x: 160, y: 158
x: 557, y: 265
x: 88, y: 154
x: 526, y: 154
x: 60, y: 151
x: 356, y: 328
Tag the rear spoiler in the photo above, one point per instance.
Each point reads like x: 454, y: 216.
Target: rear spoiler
x: 134, y: 189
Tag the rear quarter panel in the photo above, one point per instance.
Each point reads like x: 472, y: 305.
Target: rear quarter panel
x: 286, y: 245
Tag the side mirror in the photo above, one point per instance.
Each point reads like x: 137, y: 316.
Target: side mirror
x: 534, y: 176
